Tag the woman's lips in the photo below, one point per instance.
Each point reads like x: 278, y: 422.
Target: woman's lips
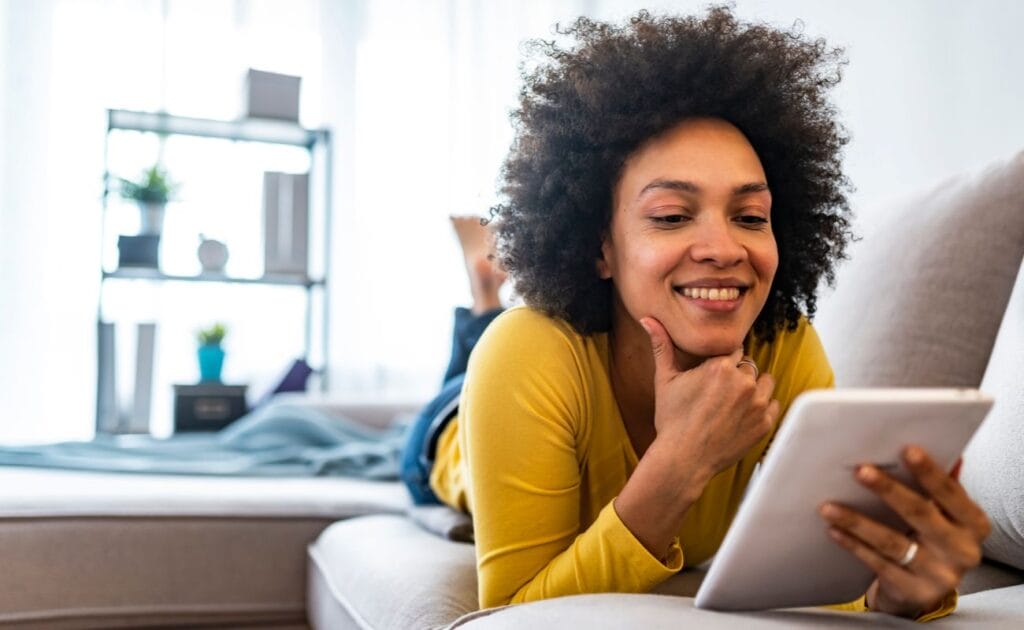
x: 715, y: 306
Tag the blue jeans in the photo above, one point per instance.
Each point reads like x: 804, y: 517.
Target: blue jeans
x: 421, y: 438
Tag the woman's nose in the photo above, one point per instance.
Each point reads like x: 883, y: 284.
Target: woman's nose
x: 717, y: 244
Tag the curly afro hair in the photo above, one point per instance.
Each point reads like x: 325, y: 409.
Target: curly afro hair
x: 584, y: 109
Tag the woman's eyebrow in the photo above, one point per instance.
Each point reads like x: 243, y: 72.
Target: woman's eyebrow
x: 689, y: 187
x: 670, y: 184
x: 753, y: 187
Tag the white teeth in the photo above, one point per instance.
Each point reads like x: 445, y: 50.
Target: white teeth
x: 724, y: 294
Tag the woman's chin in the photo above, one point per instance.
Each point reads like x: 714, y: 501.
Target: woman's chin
x: 707, y: 348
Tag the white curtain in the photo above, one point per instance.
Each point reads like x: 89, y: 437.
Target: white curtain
x: 420, y: 110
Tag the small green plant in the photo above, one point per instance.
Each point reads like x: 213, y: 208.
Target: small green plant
x: 213, y: 335
x: 153, y: 186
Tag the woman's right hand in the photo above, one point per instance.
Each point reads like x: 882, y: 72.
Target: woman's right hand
x: 716, y: 411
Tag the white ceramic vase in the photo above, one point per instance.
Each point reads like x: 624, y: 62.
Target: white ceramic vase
x: 213, y: 255
x: 151, y: 217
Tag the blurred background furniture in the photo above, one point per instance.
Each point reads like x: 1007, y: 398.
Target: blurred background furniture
x: 255, y: 148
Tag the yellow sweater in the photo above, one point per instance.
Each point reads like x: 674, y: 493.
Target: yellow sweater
x: 539, y: 451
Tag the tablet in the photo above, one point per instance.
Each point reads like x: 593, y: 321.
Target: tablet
x: 777, y: 553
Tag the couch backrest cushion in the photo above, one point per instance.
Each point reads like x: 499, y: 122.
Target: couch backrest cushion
x: 993, y: 469
x: 921, y: 299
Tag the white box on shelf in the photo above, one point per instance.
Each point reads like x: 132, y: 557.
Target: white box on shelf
x: 107, y: 415
x: 285, y: 223
x: 271, y: 95
x: 145, y: 346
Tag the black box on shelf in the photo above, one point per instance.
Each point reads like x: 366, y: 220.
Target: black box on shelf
x: 138, y: 251
x: 207, y: 406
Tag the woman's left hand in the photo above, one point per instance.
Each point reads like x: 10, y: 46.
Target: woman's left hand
x: 916, y: 571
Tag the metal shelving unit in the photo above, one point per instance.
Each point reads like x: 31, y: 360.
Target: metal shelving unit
x: 317, y: 142
x: 142, y: 273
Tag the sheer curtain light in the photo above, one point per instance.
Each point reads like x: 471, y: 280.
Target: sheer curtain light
x: 420, y: 113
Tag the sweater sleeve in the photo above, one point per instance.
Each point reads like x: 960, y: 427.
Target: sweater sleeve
x: 522, y: 418
x: 944, y: 607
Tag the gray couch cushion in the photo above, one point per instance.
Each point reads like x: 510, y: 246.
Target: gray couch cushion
x: 42, y: 492
x: 616, y: 610
x: 443, y: 521
x: 1000, y: 609
x: 993, y: 469
x: 386, y: 573
x: 921, y: 299
x: 90, y: 550
x: 990, y: 575
x: 997, y: 609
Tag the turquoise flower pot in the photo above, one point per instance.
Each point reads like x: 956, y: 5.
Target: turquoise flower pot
x: 211, y: 361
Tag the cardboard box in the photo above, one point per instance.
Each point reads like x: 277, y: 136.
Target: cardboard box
x: 271, y: 95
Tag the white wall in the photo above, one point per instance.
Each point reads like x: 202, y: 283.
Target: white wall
x: 933, y: 87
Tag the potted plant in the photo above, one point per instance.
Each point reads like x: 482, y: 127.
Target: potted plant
x: 211, y: 354
x: 151, y: 191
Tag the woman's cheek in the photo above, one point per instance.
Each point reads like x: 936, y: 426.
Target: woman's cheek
x: 655, y: 260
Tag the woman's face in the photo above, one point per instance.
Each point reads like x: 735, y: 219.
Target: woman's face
x: 690, y: 241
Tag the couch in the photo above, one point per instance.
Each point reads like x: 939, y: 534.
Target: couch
x: 107, y: 550
x: 932, y: 296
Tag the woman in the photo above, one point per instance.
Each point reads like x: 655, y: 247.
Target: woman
x: 674, y: 198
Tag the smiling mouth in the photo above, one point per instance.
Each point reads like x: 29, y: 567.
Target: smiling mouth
x: 722, y: 301
x: 709, y: 294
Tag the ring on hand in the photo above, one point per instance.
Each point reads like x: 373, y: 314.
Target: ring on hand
x: 908, y: 555
x: 757, y: 372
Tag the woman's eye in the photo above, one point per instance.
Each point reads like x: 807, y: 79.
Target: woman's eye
x: 671, y: 218
x: 752, y: 220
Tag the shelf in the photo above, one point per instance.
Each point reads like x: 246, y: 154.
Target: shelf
x: 120, y: 287
x: 246, y: 129
x: 145, y: 273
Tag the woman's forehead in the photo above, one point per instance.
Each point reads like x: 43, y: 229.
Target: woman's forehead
x: 696, y: 157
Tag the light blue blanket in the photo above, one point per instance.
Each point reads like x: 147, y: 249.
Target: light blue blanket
x: 276, y: 440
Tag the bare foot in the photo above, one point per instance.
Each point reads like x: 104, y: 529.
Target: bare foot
x: 485, y: 275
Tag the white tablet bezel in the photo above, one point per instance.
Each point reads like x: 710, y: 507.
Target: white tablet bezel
x: 777, y: 553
